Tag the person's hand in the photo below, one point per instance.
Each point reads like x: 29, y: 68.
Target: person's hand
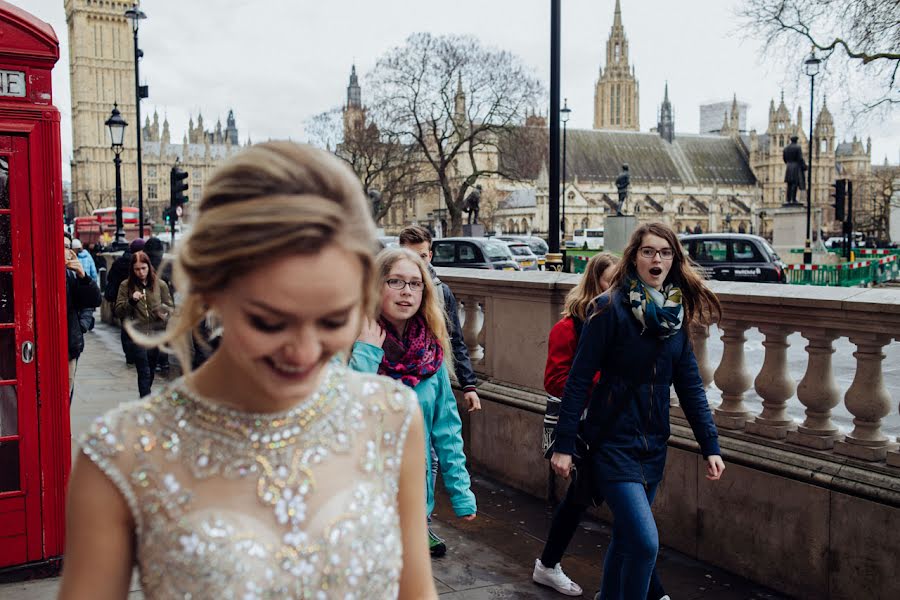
x: 137, y: 295
x: 562, y: 464
x: 715, y: 466
x: 74, y: 264
x: 371, y: 333
x: 468, y: 517
x: 472, y: 400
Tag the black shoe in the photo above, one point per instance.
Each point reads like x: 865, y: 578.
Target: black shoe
x: 436, y: 545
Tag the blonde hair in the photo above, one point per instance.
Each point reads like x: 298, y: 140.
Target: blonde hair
x: 432, y: 307
x: 579, y: 297
x: 269, y: 201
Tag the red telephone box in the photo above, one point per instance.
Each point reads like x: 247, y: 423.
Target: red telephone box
x: 35, y: 443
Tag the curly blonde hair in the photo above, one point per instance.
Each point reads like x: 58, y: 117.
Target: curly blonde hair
x: 269, y: 201
x: 432, y: 307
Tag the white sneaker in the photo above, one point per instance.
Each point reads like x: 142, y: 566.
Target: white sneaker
x: 555, y: 578
x: 666, y: 597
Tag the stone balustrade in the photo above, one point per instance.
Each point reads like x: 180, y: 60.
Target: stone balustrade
x: 506, y: 318
x: 806, y: 507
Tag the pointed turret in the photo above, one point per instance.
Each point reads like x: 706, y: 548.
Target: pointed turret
x: 666, y: 125
x: 354, y: 92
x: 616, y: 95
x: 459, y: 104
x: 231, y: 130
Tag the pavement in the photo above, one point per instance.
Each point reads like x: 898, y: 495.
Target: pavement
x: 489, y: 558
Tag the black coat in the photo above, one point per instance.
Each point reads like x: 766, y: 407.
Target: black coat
x: 118, y: 273
x: 627, y: 424
x: 81, y: 294
x: 796, y: 166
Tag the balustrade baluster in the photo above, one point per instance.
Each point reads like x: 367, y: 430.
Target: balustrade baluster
x: 774, y: 385
x: 818, y: 393
x: 699, y: 338
x: 473, y: 323
x: 732, y: 377
x: 868, y: 400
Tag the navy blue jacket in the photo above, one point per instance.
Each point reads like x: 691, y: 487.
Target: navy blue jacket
x: 627, y: 425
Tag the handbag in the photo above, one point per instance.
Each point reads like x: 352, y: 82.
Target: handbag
x: 551, y: 418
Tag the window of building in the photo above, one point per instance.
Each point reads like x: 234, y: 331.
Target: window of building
x: 197, y: 176
x: 151, y: 191
x: 151, y: 171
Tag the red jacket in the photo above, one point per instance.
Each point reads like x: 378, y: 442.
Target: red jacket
x: 561, y: 348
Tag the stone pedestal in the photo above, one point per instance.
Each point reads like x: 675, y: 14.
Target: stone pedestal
x: 788, y: 228
x: 473, y: 230
x: 617, y: 232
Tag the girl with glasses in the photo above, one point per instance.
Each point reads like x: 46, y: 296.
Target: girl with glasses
x: 635, y: 336
x: 409, y: 342
x: 272, y: 471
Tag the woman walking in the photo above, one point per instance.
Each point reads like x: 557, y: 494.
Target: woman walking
x: 271, y: 471
x: 143, y: 305
x: 635, y: 337
x: 409, y: 342
x: 561, y: 347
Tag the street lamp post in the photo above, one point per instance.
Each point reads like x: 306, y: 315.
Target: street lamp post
x: 135, y: 14
x: 554, y: 258
x: 564, y: 113
x: 812, y: 69
x: 116, y: 125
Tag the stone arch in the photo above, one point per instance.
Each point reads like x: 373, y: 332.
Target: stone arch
x: 525, y: 227
x: 510, y: 226
x: 585, y: 223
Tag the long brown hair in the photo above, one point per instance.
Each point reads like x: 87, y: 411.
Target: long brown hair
x: 579, y: 297
x: 432, y: 308
x: 699, y: 301
x: 133, y: 282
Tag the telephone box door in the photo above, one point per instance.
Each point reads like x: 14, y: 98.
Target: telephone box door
x: 20, y: 485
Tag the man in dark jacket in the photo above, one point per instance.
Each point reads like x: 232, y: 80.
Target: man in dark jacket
x: 794, y: 170
x: 82, y: 294
x: 118, y: 273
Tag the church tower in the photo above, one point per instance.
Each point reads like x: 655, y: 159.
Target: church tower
x: 666, y: 125
x: 354, y: 113
x: 616, y: 103
x: 101, y: 69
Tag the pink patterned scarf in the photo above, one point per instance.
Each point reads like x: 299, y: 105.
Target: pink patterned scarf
x: 416, y: 356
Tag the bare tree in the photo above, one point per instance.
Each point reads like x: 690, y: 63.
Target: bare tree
x: 858, y: 41
x: 452, y: 99
x: 379, y: 159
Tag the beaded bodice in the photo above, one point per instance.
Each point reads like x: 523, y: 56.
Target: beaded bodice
x: 226, y: 504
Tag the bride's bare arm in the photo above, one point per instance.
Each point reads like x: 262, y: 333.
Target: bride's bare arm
x: 415, y: 579
x: 99, y: 537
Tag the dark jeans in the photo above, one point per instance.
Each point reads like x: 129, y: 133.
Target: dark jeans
x: 145, y: 360
x: 126, y: 345
x: 563, y: 527
x: 631, y: 556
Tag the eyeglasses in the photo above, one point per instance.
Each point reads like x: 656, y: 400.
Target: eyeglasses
x: 650, y: 252
x: 399, y: 284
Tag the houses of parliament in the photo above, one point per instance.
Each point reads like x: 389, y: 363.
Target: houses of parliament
x: 101, y: 67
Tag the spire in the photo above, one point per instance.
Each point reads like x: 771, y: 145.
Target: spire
x: 666, y: 125
x: 231, y: 130
x: 617, y: 17
x: 354, y: 92
x: 459, y: 107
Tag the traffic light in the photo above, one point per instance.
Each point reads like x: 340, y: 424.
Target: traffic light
x: 840, y: 198
x: 177, y: 196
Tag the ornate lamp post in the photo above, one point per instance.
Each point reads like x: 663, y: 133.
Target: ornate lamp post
x: 116, y: 125
x: 135, y: 14
x: 812, y: 69
x: 564, y: 113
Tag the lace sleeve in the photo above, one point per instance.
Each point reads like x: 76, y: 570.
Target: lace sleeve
x: 108, y: 445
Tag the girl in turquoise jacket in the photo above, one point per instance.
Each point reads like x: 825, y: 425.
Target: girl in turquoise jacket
x: 409, y: 342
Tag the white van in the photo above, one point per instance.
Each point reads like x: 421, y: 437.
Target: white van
x: 592, y: 237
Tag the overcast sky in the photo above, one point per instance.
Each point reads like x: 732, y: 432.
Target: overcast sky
x: 277, y: 63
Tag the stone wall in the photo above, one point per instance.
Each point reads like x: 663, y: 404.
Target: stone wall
x: 803, y: 508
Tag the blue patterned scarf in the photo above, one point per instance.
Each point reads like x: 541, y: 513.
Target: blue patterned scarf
x: 659, y: 312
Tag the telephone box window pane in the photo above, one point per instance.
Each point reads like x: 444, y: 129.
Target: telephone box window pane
x: 5, y: 242
x: 4, y: 183
x: 9, y: 466
x: 7, y: 354
x: 6, y: 298
x: 9, y: 411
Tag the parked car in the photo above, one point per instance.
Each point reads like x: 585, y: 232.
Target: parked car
x: 537, y: 245
x: 523, y: 255
x: 473, y: 253
x: 735, y: 257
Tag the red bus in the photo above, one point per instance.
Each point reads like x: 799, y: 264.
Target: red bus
x: 101, y: 226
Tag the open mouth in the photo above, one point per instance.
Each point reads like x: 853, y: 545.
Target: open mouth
x: 655, y: 271
x: 405, y: 304
x: 287, y: 370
